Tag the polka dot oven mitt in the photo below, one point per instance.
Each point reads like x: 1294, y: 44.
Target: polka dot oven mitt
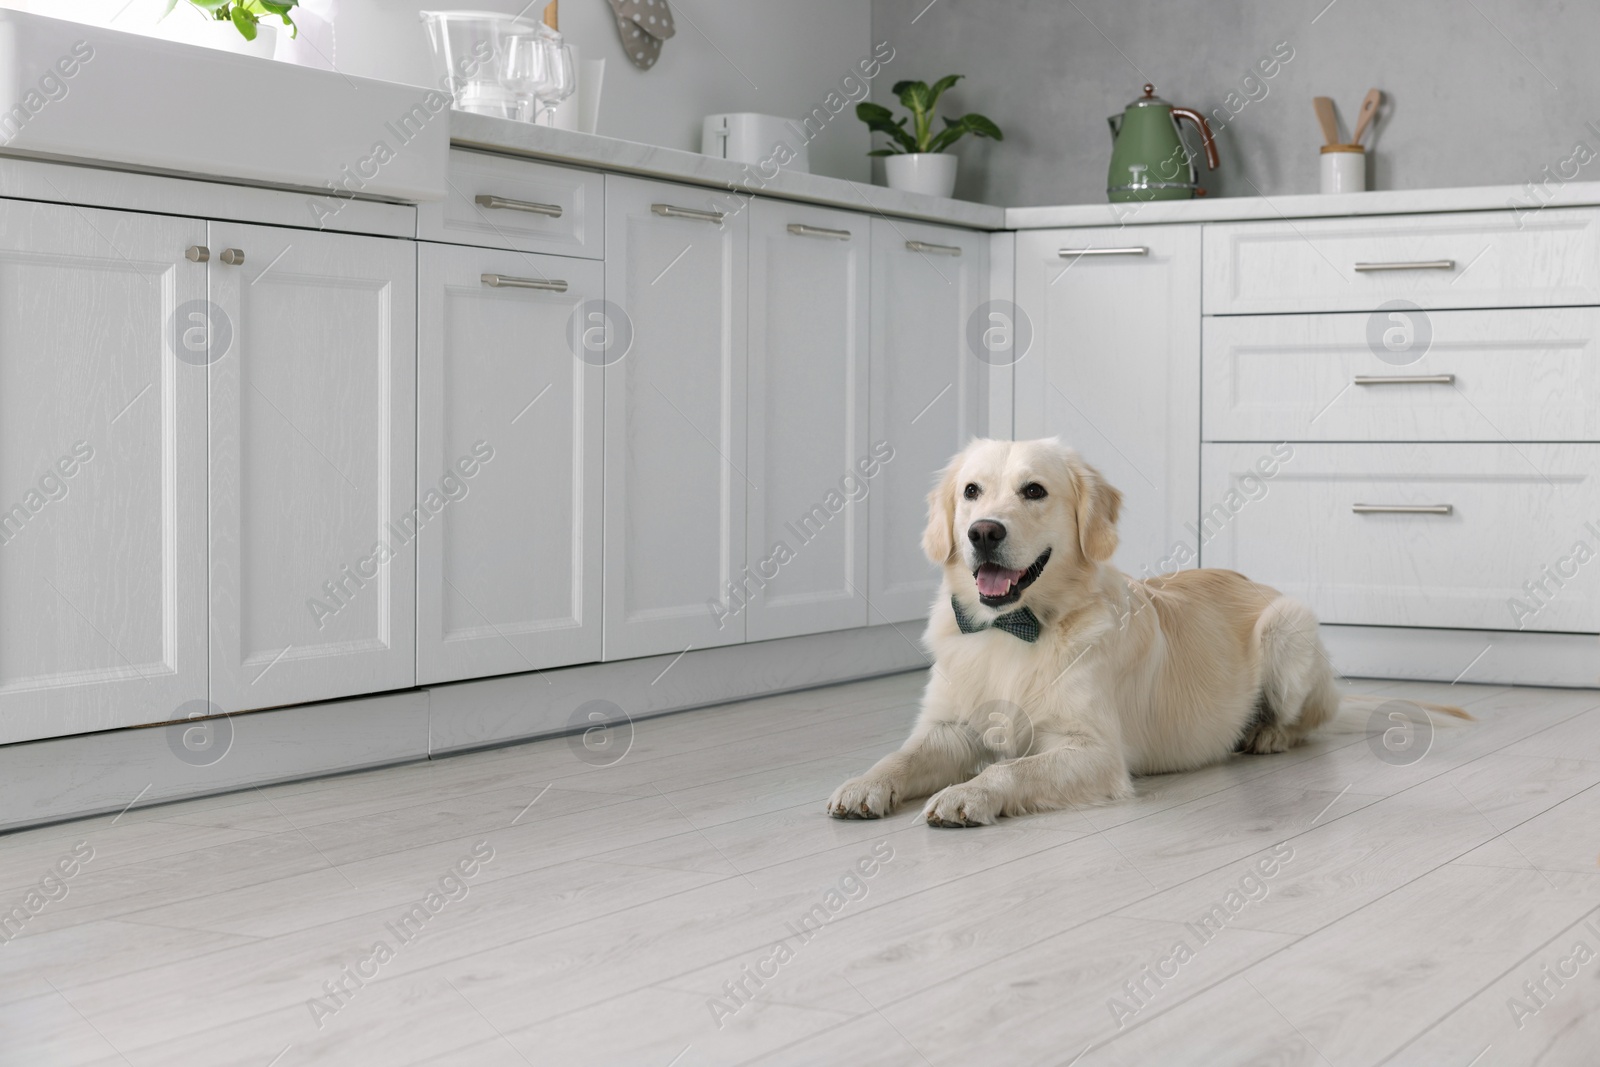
x: 643, y: 25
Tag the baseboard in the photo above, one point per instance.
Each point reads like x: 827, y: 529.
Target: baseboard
x: 1499, y: 657
x: 491, y: 711
x: 92, y: 774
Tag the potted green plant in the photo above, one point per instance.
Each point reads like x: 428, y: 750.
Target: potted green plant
x: 232, y: 25
x: 915, y: 159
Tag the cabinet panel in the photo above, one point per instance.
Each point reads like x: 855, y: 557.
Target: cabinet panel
x: 1115, y: 371
x: 102, y: 470
x: 1474, y: 259
x: 928, y: 393
x: 529, y: 207
x: 807, y: 526
x: 510, y: 427
x: 675, y: 468
x: 1513, y: 374
x: 314, y: 511
x: 1514, y: 550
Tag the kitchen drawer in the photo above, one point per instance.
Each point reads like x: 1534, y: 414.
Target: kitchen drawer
x: 1518, y: 514
x: 525, y: 207
x: 1513, y: 375
x: 1462, y: 260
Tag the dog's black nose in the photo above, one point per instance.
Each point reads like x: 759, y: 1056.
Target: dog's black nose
x: 986, y: 533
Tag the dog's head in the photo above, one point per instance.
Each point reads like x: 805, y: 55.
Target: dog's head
x: 1014, y: 520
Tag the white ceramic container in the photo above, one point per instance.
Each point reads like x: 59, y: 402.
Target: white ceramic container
x: 933, y: 173
x: 1344, y: 168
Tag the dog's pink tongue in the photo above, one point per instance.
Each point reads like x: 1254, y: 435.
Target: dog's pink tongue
x: 996, y: 581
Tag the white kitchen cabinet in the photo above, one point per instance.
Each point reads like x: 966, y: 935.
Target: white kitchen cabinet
x: 1114, y: 369
x: 102, y: 470
x: 1463, y: 259
x: 1476, y: 536
x: 313, y: 503
x: 928, y: 393
x: 518, y: 205
x: 676, y: 474
x: 510, y: 424
x: 1507, y: 374
x: 806, y: 538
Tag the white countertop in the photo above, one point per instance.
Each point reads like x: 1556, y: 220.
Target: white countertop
x: 605, y: 153
x: 1304, y: 206
x: 140, y: 103
x: 628, y: 157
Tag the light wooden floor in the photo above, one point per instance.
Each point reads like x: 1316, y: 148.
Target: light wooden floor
x: 1411, y: 904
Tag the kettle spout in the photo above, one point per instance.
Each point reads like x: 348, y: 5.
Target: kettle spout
x: 1115, y: 122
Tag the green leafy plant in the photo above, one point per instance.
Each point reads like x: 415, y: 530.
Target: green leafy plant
x: 244, y: 14
x: 919, y: 98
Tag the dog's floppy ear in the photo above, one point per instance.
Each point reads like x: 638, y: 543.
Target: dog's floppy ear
x: 939, y: 539
x: 1098, y: 505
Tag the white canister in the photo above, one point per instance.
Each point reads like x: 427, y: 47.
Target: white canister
x: 1344, y: 168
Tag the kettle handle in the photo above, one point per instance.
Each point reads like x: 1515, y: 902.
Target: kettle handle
x: 1205, y: 133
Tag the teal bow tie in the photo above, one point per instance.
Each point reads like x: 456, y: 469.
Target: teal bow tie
x: 1021, y: 623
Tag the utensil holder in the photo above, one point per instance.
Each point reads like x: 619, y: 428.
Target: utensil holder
x: 1344, y: 168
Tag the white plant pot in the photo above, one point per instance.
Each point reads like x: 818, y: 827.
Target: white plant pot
x: 182, y: 25
x: 933, y: 173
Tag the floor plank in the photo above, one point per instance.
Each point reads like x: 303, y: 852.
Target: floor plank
x: 627, y: 906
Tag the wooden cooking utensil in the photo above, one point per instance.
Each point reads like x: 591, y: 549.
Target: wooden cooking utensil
x: 1369, y: 111
x: 1325, y: 116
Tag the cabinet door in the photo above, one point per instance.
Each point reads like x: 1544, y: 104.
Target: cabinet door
x: 314, y: 509
x: 510, y: 432
x: 102, y: 470
x: 676, y: 474
x: 1115, y: 371
x: 1442, y: 535
x: 928, y: 393
x: 806, y: 543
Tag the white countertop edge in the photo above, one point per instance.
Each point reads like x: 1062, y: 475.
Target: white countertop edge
x: 503, y: 136
x: 1307, y: 206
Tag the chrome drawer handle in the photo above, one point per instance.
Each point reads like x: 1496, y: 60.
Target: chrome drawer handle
x: 533, y: 207
x: 1132, y: 250
x: 233, y: 257
x: 938, y: 250
x: 1402, y: 509
x: 1405, y: 379
x: 667, y: 211
x: 800, y: 229
x: 506, y: 281
x: 1420, y: 264
x: 197, y: 254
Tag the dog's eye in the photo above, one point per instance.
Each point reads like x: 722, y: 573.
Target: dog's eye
x: 972, y: 491
x: 1034, y: 491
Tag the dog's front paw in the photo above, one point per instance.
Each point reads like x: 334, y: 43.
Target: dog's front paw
x: 961, y: 805
x: 863, y: 798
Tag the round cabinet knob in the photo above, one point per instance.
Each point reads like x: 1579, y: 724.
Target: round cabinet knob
x: 197, y: 254
x: 233, y: 256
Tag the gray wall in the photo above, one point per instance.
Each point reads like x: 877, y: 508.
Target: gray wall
x: 1484, y: 92
x: 728, y: 55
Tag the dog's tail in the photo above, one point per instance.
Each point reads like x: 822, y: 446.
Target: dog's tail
x: 1355, y: 711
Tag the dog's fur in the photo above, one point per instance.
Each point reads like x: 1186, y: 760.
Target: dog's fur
x: 1127, y: 677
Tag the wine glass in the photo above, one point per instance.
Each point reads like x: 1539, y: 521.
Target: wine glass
x: 563, y: 80
x: 526, y: 69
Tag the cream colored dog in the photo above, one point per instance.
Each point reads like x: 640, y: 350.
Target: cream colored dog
x: 1056, y: 677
